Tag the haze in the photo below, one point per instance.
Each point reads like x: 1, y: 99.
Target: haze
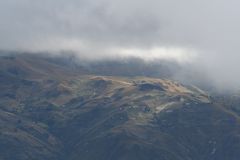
x: 202, y: 35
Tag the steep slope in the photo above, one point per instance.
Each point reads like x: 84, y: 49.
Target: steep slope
x: 51, y: 110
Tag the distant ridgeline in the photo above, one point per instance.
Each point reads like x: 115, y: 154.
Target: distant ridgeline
x: 60, y: 107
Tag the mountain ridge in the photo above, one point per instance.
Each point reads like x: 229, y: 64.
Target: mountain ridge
x: 54, y: 111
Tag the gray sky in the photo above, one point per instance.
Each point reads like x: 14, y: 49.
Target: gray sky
x: 203, y: 33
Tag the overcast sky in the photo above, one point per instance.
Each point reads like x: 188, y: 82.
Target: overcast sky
x: 203, y: 32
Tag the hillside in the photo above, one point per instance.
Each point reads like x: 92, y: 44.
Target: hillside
x: 52, y: 109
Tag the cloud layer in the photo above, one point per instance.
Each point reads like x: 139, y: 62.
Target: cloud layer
x: 203, y: 32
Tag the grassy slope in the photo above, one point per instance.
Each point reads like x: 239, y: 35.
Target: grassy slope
x: 53, y: 112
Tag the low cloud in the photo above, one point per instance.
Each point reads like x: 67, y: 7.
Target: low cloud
x: 202, y: 34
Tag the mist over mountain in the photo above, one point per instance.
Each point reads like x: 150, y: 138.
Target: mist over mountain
x: 204, y: 34
x: 128, y: 66
x: 54, y: 107
x: 119, y: 80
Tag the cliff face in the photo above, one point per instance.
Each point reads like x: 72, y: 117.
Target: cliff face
x: 51, y: 110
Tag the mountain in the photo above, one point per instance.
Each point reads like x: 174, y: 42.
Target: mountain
x: 57, y: 108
